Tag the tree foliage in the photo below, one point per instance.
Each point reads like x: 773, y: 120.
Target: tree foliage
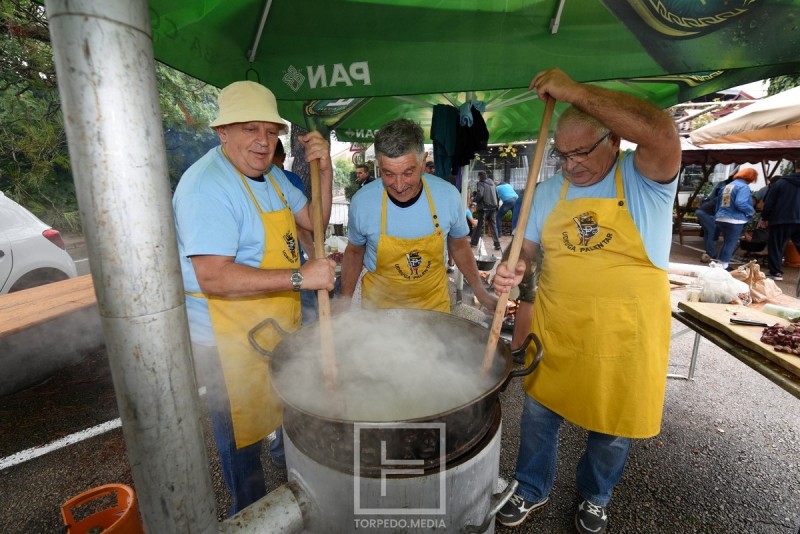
x: 34, y: 160
x: 34, y: 165
x: 342, y: 173
x: 780, y: 84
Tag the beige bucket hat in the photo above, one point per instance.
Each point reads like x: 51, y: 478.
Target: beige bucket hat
x: 246, y: 102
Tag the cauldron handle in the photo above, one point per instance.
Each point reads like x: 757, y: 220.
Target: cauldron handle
x: 528, y: 370
x: 498, y: 501
x: 251, y: 335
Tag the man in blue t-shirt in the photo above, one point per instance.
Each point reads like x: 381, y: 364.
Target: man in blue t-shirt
x: 400, y: 229
x: 508, y: 197
x: 602, y: 307
x: 236, y: 217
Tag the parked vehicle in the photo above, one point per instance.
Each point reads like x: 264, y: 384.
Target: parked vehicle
x: 31, y: 252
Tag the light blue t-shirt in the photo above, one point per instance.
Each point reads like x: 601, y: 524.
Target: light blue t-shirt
x: 364, y: 224
x: 649, y: 203
x: 214, y: 215
x: 506, y: 192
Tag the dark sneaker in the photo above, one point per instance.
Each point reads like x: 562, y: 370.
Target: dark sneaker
x: 591, y: 518
x: 777, y: 277
x: 516, y: 510
x: 705, y: 258
x: 497, y: 247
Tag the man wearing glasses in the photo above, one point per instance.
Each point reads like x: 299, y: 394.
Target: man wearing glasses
x: 602, y: 309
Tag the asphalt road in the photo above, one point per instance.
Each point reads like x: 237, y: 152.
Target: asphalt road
x: 727, y: 459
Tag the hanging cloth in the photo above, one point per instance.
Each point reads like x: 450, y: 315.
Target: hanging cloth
x: 470, y: 139
x: 443, y: 134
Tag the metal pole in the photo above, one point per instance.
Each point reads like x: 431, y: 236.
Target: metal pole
x: 465, y: 171
x: 106, y: 76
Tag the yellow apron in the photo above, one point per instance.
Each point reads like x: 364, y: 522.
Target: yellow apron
x: 409, y: 273
x: 605, y: 329
x: 256, y: 409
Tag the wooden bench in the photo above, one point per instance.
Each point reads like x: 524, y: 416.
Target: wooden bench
x: 47, y: 328
x: 32, y: 307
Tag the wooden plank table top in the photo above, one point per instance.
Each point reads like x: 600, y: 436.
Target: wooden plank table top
x: 719, y: 316
x: 32, y: 307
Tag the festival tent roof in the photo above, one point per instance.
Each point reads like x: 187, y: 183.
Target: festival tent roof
x: 775, y: 118
x: 351, y: 65
x: 728, y: 153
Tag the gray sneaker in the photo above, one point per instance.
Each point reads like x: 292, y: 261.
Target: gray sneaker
x: 516, y: 510
x: 591, y: 518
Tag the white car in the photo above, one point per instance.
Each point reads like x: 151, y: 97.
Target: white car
x: 31, y: 253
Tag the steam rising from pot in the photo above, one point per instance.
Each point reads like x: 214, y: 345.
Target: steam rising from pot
x: 393, y: 365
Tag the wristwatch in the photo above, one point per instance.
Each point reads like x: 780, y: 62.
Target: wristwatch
x: 296, y: 279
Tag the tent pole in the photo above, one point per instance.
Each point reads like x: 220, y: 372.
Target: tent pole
x: 464, y: 194
x: 106, y: 76
x: 251, y: 55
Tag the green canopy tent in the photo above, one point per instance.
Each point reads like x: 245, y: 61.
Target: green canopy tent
x: 352, y: 65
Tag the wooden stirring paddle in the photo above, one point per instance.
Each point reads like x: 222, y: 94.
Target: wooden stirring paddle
x: 519, y: 234
x: 323, y: 299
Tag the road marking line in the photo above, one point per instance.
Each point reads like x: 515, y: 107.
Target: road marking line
x: 35, y: 452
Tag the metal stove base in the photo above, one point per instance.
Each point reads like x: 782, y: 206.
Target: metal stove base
x: 449, y: 500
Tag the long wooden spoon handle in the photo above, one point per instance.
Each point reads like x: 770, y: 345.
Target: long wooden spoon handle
x: 519, y: 233
x: 323, y: 299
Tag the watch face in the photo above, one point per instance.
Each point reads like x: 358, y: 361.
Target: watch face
x: 296, y: 280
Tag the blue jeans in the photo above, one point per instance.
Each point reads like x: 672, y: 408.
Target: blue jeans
x: 308, y: 305
x: 276, y: 449
x: 599, y: 469
x: 730, y: 239
x: 710, y: 232
x: 490, y: 216
x: 241, y: 468
x: 508, y: 205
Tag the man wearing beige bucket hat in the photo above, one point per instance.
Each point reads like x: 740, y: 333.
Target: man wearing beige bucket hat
x: 237, y: 217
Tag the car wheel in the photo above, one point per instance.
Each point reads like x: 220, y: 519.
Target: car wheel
x: 36, y: 278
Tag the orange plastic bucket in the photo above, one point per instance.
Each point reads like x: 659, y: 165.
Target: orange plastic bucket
x: 120, y: 518
x: 791, y: 256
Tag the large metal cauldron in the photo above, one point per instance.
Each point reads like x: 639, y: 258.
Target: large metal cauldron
x: 391, y: 383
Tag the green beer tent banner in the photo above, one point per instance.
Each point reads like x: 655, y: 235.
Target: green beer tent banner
x: 353, y: 65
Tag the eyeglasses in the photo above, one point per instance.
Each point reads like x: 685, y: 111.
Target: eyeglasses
x: 577, y: 156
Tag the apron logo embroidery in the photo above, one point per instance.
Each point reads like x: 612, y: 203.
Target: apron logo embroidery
x: 291, y: 244
x: 413, y: 261
x: 587, y: 228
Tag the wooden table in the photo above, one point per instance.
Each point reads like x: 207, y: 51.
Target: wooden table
x: 39, y: 305
x: 742, y: 342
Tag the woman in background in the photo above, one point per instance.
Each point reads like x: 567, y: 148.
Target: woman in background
x: 734, y: 209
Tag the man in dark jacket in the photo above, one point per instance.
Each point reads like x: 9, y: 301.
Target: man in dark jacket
x: 363, y: 176
x: 781, y: 215
x: 485, y: 196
